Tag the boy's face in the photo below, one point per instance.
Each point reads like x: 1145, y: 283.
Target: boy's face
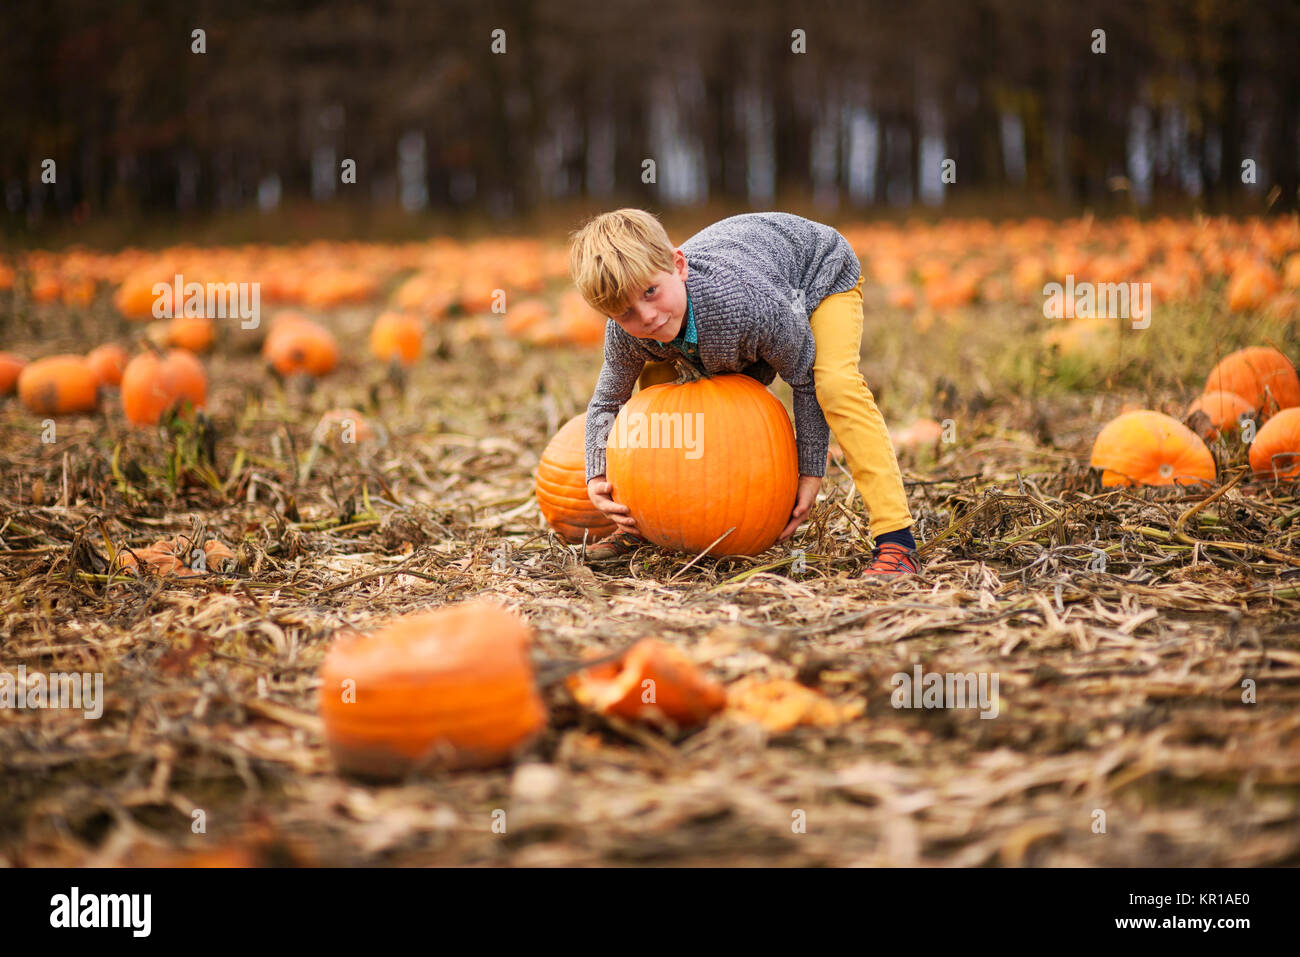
x: 660, y: 309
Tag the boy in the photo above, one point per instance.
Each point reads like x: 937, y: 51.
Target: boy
x: 761, y: 294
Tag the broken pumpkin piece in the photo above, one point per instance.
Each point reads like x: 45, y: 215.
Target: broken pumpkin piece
x: 779, y: 705
x: 168, y: 557
x: 653, y: 682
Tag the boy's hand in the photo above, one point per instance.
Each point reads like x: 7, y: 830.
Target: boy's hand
x: 598, y: 490
x: 805, y: 498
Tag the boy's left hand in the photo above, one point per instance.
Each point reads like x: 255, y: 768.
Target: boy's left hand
x: 805, y: 498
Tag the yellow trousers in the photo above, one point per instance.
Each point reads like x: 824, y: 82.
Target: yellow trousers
x: 849, y: 407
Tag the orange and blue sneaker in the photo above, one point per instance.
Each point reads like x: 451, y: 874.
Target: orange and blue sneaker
x: 890, y: 558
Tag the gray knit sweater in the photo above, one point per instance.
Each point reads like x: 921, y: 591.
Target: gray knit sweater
x: 753, y: 281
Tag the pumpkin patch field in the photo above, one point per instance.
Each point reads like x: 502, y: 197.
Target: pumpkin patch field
x: 325, y: 556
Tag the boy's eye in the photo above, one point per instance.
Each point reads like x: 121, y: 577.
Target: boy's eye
x: 652, y: 290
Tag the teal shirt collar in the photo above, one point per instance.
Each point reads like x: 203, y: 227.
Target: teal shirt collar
x: 687, y: 333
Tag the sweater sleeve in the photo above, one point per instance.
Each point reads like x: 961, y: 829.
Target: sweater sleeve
x: 624, y: 360
x: 785, y: 341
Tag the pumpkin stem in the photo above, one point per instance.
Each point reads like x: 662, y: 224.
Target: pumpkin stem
x: 687, y: 372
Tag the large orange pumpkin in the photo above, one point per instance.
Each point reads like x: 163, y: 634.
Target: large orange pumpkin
x: 396, y: 335
x: 59, y: 384
x: 1150, y: 448
x: 11, y: 366
x: 729, y: 468
x: 1224, y: 410
x: 653, y: 681
x: 300, y: 345
x: 152, y: 383
x: 1261, y: 375
x: 1275, y: 453
x: 446, y: 688
x: 562, y: 486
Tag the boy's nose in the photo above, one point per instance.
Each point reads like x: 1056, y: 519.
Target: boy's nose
x: 648, y: 314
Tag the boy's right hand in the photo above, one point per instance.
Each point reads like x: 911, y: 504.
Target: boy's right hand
x: 599, y: 491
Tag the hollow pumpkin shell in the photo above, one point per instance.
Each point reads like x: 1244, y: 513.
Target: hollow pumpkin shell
x: 652, y: 682
x: 1261, y: 375
x: 176, y: 557
x: 449, y: 688
x: 59, y: 384
x: 701, y: 460
x: 1275, y: 453
x: 562, y: 486
x: 780, y: 704
x: 1150, y: 448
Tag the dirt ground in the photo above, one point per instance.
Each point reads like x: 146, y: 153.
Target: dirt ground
x: 1147, y: 708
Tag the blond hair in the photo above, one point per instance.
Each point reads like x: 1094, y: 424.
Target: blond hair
x: 613, y: 256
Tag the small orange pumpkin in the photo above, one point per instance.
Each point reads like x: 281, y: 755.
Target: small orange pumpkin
x: 901, y: 296
x: 135, y: 296
x: 191, y: 333
x: 707, y: 464
x: 46, y: 287
x: 152, y: 383
x: 300, y: 345
x: 108, y: 361
x: 424, y: 293
x: 562, y: 486
x: 579, y: 323
x: 11, y: 367
x: 349, y: 424
x: 654, y: 681
x: 920, y: 434
x: 525, y: 315
x: 1223, y: 410
x: 1150, y: 448
x: 397, y: 335
x: 1251, y: 285
x: 1261, y: 375
x: 478, y: 291
x: 451, y: 688
x: 1275, y: 453
x: 59, y: 384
